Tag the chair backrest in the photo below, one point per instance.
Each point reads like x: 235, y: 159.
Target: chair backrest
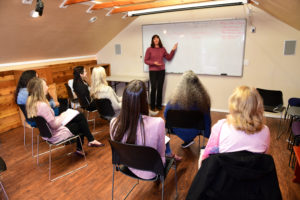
x: 138, y: 157
x: 70, y: 93
x: 2, y: 165
x: 83, y: 101
x: 43, y: 127
x: 294, y: 102
x: 104, y: 107
x: 272, y: 98
x: 185, y: 119
x: 23, y: 108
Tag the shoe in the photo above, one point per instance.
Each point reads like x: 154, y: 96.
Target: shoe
x: 95, y: 144
x: 187, y: 144
x: 153, y: 113
x: 80, y: 153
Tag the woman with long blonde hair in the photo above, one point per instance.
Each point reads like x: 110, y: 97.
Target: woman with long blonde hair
x: 244, y: 127
x: 190, y: 94
x: 101, y: 90
x: 38, y: 105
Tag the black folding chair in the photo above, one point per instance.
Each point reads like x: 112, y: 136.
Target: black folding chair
x: 273, y: 102
x: 105, y: 109
x: 71, y: 97
x: 141, y: 158
x: 2, y: 169
x: 85, y: 105
x: 45, y: 132
x: 23, y: 109
x: 189, y: 119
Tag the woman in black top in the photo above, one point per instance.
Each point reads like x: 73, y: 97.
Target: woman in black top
x: 81, y: 88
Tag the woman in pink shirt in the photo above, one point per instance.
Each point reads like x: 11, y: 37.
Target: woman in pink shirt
x: 155, y: 59
x: 38, y: 105
x: 134, y: 126
x: 244, y: 128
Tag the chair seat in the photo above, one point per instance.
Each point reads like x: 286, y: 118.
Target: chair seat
x: 296, y: 128
x: 64, y: 141
x: 125, y: 170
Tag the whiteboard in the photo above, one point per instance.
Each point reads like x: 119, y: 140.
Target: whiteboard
x: 213, y: 47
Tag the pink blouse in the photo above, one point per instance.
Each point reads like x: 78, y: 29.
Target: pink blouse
x: 225, y: 138
x: 154, y: 137
x: 59, y: 132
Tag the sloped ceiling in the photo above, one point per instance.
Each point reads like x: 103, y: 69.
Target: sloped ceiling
x: 60, y: 32
x: 287, y: 11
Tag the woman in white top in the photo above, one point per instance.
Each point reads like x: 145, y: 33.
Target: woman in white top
x: 101, y: 90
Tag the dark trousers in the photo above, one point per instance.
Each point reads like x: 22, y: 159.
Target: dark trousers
x: 79, y: 126
x: 157, y: 79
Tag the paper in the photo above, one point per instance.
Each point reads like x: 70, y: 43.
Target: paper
x: 69, y: 115
x: 167, y: 139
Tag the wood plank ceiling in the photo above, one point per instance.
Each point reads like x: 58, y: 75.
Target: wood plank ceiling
x: 286, y: 11
x: 123, y: 6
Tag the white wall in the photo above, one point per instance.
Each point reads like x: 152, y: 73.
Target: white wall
x: 267, y: 67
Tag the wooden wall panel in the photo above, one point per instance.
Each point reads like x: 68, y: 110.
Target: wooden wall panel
x: 9, y: 114
x: 55, y: 74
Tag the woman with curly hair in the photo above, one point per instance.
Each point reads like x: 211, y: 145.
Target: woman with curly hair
x: 244, y: 128
x: 190, y: 94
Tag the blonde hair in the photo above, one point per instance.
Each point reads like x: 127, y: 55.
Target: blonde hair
x: 98, y: 81
x: 246, y: 110
x: 35, y: 94
x: 190, y: 92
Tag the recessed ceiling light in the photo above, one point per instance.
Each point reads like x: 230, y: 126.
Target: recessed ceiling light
x: 93, y: 19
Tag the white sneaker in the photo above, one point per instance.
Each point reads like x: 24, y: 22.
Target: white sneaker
x: 153, y: 113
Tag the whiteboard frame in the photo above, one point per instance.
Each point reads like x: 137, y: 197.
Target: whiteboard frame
x: 223, y: 19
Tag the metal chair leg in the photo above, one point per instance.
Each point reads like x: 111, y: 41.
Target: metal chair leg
x: 175, y: 168
x: 5, y: 195
x: 49, y: 162
x: 24, y: 133
x: 37, y: 149
x: 162, y: 189
x: 31, y: 141
x: 70, y: 172
x: 112, y: 189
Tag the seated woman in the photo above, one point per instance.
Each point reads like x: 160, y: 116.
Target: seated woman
x: 81, y: 87
x: 134, y: 126
x: 38, y: 105
x: 101, y: 90
x: 21, y: 94
x: 244, y: 128
x: 190, y: 94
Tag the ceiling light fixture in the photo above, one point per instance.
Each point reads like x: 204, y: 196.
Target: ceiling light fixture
x: 192, y: 6
x: 39, y: 8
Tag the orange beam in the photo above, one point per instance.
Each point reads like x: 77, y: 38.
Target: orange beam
x: 155, y: 5
x: 117, y: 3
x: 70, y: 2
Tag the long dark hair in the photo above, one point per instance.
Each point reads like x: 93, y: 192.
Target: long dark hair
x: 159, y: 44
x: 23, y: 81
x: 76, y: 72
x: 134, y: 104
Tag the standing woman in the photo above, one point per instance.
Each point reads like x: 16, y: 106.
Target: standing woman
x: 155, y: 59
